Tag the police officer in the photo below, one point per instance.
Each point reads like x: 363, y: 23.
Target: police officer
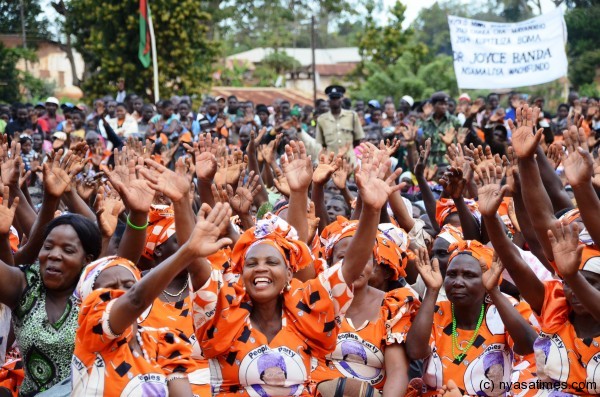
x: 339, y: 127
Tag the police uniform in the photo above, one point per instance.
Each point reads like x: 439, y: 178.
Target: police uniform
x: 335, y: 132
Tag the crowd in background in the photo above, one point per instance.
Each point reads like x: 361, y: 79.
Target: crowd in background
x: 355, y: 248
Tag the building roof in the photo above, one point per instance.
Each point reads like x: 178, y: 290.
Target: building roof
x: 338, y: 69
x: 265, y: 95
x: 323, y: 56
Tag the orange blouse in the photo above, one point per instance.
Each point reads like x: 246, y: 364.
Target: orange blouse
x: 488, y: 362
x: 359, y: 352
x: 104, y: 364
x: 177, y: 317
x: 242, y: 361
x: 563, y: 359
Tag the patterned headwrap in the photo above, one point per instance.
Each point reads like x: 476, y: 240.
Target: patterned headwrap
x: 90, y: 274
x: 475, y: 249
x: 385, y: 250
x: 161, y: 226
x: 445, y: 207
x: 279, y: 234
x: 451, y: 234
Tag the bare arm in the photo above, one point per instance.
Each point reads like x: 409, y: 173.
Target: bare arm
x: 396, y: 362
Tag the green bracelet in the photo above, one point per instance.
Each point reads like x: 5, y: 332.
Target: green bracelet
x: 134, y: 227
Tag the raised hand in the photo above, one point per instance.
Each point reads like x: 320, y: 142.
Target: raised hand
x: 566, y: 248
x: 57, y: 178
x: 512, y: 171
x: 86, y: 187
x: 461, y: 136
x: 236, y: 165
x: 241, y: 200
x: 313, y: 221
x: 135, y: 190
x: 340, y: 176
x: 205, y: 151
x: 525, y: 141
x: 374, y: 189
x: 423, y: 157
x: 453, y: 182
x: 328, y: 164
x: 489, y: 191
x: 7, y: 213
x: 429, y: 270
x: 219, y: 193
x: 448, y: 136
x: 173, y: 184
x: 390, y: 147
x: 491, y: 277
x: 10, y: 163
x: 578, y: 162
x: 427, y: 109
x: 281, y: 182
x: 554, y: 154
x: 297, y: 167
x: 108, y: 208
x: 204, y: 240
x: 409, y: 133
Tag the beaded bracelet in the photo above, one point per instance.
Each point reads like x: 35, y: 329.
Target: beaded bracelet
x: 134, y: 227
x: 175, y: 376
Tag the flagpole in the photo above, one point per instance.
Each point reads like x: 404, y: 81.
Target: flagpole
x: 154, y: 58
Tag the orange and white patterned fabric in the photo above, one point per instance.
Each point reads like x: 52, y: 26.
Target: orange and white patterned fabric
x: 488, y: 362
x: 242, y: 361
x: 105, y: 365
x: 564, y: 359
x: 161, y: 226
x: 177, y: 318
x: 360, y: 348
x: 445, y: 206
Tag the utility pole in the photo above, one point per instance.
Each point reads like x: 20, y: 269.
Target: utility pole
x: 313, y: 43
x: 23, y: 30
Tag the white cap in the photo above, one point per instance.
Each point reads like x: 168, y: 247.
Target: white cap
x: 53, y: 100
x: 464, y: 97
x: 408, y: 100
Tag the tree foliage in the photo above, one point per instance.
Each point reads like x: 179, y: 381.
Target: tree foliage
x: 107, y: 36
x: 584, y: 56
x: 36, y: 24
x: 9, y: 75
x: 402, y: 78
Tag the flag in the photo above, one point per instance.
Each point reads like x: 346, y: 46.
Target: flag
x: 144, y: 51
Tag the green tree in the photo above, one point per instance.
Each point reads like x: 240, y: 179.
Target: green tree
x: 582, y: 48
x: 107, y: 36
x: 36, y: 24
x: 402, y: 78
x: 9, y: 75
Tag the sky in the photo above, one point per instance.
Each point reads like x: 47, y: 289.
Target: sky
x: 412, y: 8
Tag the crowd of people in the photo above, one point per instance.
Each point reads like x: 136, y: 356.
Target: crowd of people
x: 415, y: 248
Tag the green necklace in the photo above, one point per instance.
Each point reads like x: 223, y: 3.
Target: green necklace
x: 455, y: 345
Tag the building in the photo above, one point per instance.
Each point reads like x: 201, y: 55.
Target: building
x: 332, y: 65
x: 52, y: 64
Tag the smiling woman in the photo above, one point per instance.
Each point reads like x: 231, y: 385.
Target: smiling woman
x: 41, y: 297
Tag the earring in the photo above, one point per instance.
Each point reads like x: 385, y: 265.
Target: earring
x: 488, y: 299
x: 288, y: 287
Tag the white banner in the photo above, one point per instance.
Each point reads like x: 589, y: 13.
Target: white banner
x: 492, y: 55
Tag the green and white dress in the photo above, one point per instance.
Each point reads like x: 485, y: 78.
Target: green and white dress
x: 46, y: 348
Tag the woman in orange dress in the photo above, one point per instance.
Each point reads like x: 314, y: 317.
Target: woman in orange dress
x: 467, y: 338
x: 113, y: 354
x: 371, y: 339
x: 260, y: 332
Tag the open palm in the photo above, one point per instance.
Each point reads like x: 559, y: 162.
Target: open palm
x: 297, y: 167
x: 566, y: 248
x: 204, y: 240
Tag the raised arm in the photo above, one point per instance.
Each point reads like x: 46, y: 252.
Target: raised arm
x: 374, y: 191
x: 57, y: 180
x: 328, y: 165
x: 428, y: 198
x: 490, y: 197
x: 579, y: 169
x: 298, y: 171
x: 137, y: 196
x: 454, y: 185
x: 417, y: 339
x: 519, y: 329
x: 203, y: 241
x: 567, y: 256
x: 536, y: 200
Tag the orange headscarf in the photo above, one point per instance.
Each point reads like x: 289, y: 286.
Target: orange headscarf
x: 279, y: 234
x: 445, y: 207
x: 385, y: 250
x: 473, y: 248
x: 161, y: 226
